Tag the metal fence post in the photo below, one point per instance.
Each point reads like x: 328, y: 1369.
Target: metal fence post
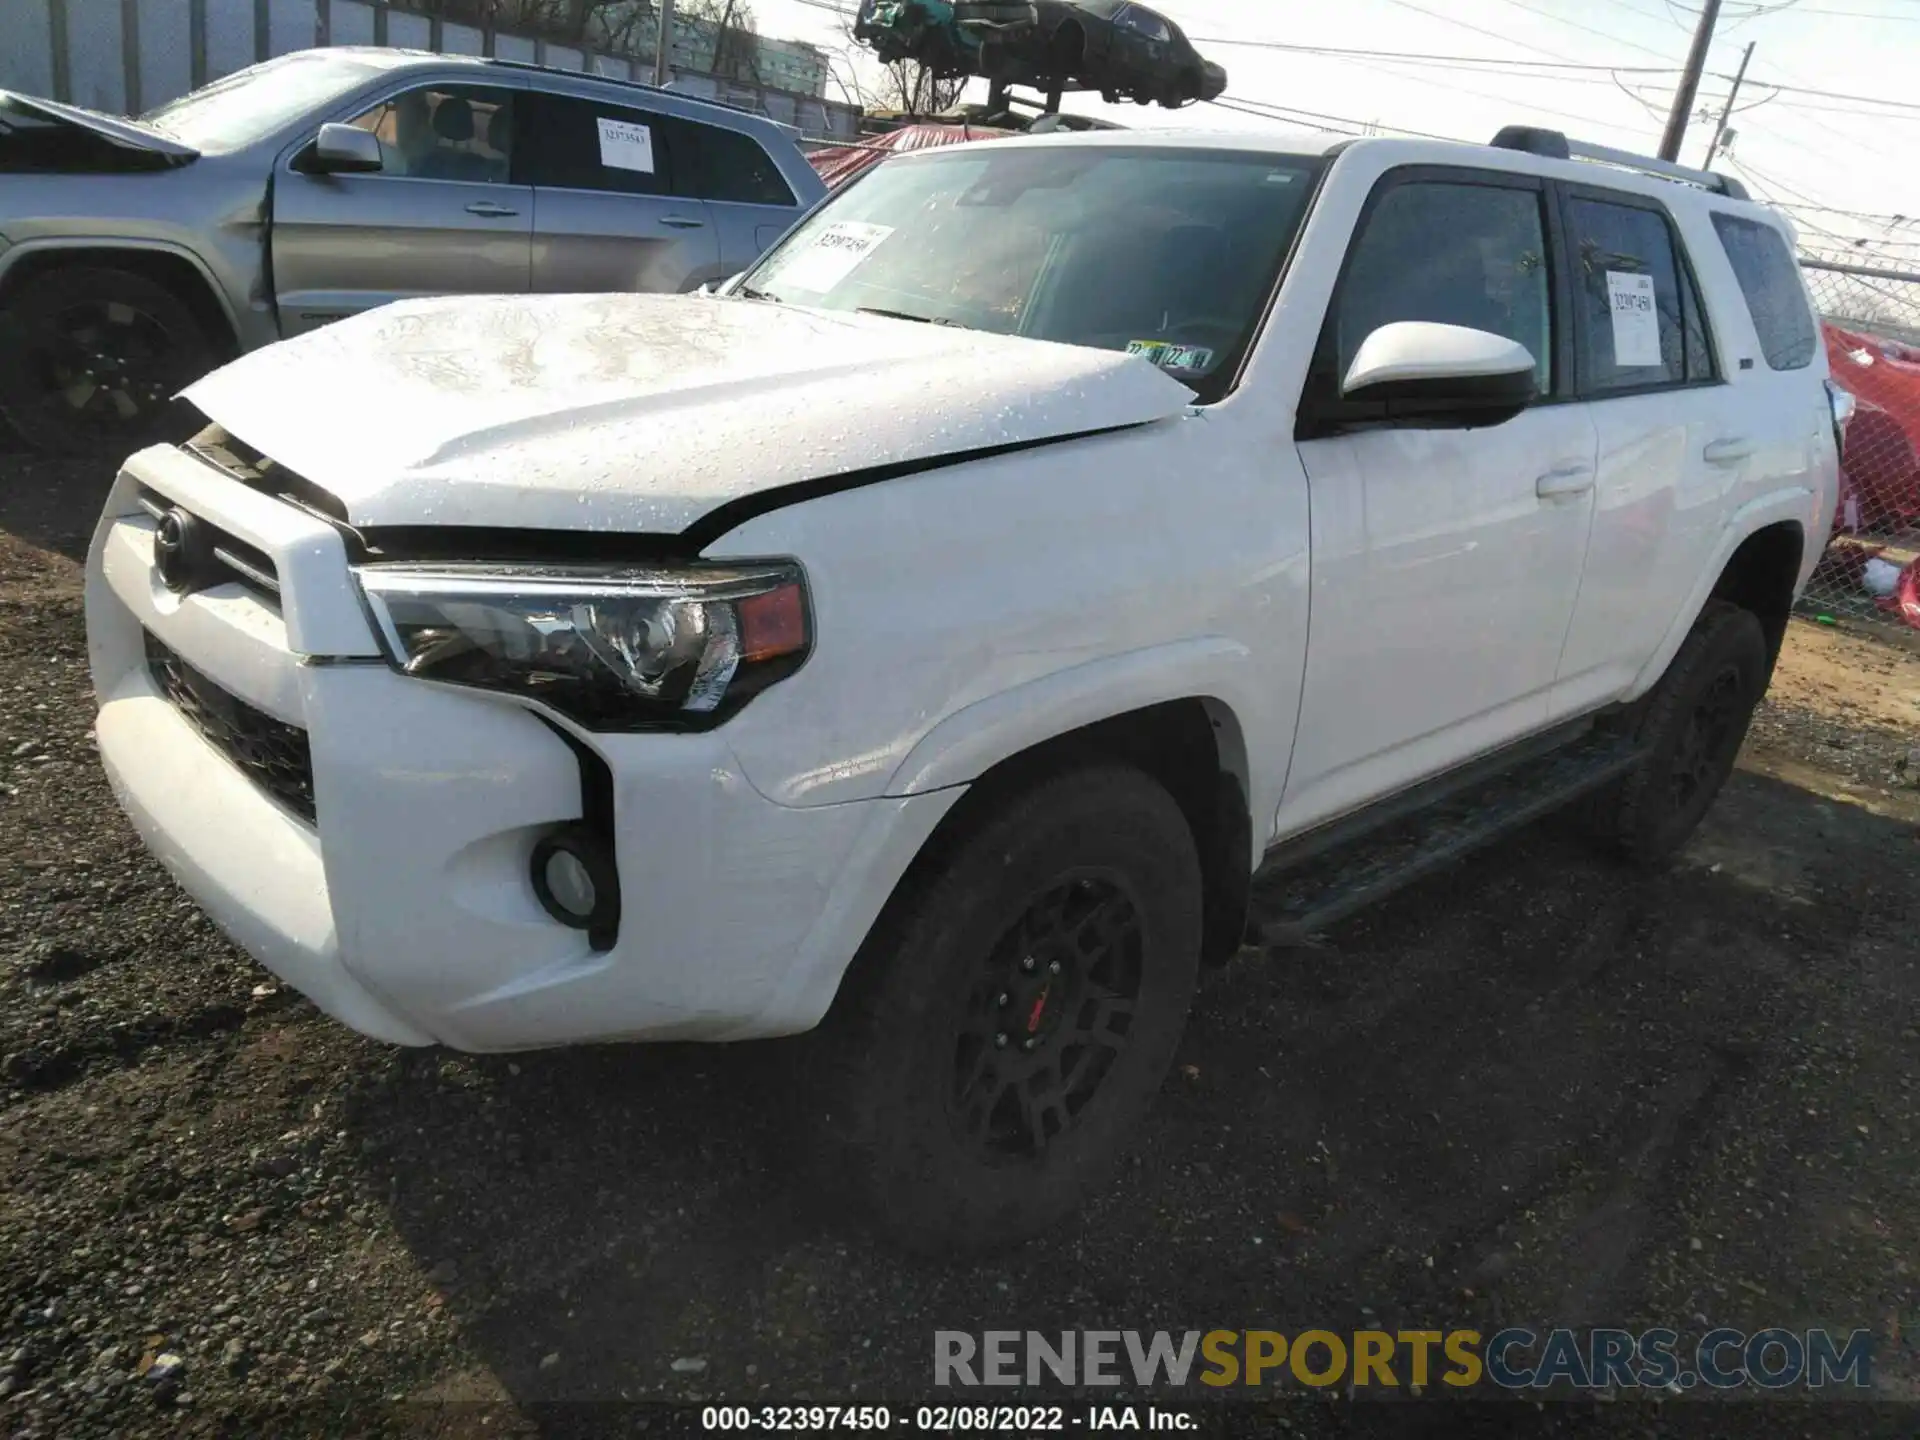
x: 62, y: 59
x: 130, y: 56
x: 262, y: 30
x: 196, y: 43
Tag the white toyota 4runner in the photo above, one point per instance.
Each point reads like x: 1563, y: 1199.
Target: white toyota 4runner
x: 929, y: 638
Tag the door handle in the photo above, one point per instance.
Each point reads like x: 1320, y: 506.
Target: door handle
x: 1728, y: 452
x: 1567, y: 480
x: 682, y: 222
x: 491, y: 210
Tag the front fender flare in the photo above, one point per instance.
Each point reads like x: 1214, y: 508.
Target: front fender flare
x: 13, y: 254
x: 971, y: 741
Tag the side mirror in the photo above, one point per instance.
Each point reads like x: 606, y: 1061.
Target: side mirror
x: 345, y: 150
x: 1420, y: 370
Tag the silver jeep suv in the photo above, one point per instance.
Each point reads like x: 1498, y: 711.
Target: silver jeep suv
x: 137, y: 254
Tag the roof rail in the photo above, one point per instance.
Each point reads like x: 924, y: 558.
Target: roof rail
x: 1534, y: 140
x: 635, y: 85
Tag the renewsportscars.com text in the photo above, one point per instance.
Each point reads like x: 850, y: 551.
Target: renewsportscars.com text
x: 1511, y: 1359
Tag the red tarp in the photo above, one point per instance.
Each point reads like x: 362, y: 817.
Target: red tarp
x: 837, y: 164
x: 1880, y: 474
x: 1882, y: 479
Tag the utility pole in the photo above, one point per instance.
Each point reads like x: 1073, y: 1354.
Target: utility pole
x: 663, y: 47
x: 1689, y: 82
x: 1713, y: 145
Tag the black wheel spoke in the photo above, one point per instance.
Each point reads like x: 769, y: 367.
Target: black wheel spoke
x: 1105, y: 1019
x: 1043, y: 1113
x: 1051, y: 1014
x: 1706, y: 737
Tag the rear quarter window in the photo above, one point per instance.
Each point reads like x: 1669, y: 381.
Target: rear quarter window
x: 1770, y: 280
x: 710, y: 163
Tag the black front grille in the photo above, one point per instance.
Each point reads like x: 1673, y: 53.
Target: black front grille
x: 229, y: 559
x: 273, y: 754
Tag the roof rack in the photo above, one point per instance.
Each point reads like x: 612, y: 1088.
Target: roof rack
x: 1533, y: 140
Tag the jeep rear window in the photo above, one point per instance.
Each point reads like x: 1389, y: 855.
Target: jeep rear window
x: 1169, y: 254
x: 1770, y: 280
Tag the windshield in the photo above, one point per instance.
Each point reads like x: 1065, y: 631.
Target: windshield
x: 1170, y: 254
x: 252, y: 103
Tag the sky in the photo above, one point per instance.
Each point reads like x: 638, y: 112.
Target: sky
x: 1842, y: 159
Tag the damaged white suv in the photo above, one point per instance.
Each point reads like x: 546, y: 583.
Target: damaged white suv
x: 933, y: 635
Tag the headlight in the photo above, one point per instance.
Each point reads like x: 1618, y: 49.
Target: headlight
x: 615, y: 649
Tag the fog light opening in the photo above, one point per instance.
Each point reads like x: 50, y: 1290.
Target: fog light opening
x: 574, y: 878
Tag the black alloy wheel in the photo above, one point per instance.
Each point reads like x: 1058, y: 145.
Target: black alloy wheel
x: 1000, y: 1036
x: 91, y: 360
x: 1050, y: 1013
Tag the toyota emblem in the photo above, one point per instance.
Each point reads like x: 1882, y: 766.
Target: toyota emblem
x: 179, y: 550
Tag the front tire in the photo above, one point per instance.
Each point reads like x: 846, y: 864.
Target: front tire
x: 91, y: 359
x: 1692, y: 727
x: 1008, y: 1022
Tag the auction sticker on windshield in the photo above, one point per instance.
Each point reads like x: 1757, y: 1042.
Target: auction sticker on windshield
x: 836, y: 252
x: 1194, y: 359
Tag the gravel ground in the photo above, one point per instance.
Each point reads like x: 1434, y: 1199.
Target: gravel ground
x: 1542, y: 1089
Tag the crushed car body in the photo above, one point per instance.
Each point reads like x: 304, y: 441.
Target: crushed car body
x: 1123, y: 50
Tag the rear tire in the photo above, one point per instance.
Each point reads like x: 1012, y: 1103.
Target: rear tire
x: 1692, y: 726
x: 91, y: 359
x: 1004, y: 1028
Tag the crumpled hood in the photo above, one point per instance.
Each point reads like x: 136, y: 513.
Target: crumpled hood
x: 115, y: 129
x: 641, y: 413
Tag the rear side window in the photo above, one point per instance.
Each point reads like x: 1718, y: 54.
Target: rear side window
x: 586, y: 145
x: 1770, y: 280
x: 1640, y: 320
x: 710, y: 163
x: 1452, y: 252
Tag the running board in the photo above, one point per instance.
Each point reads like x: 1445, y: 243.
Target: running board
x: 1308, y: 886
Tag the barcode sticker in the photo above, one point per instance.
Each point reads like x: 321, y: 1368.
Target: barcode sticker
x: 1636, y: 323
x: 625, y: 145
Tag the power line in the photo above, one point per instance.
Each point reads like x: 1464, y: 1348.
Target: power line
x: 1460, y: 89
x: 1853, y: 243
x: 1834, y: 94
x: 1576, y: 25
x: 1441, y: 60
x: 1477, y: 29
x: 1851, y: 214
x: 1226, y: 104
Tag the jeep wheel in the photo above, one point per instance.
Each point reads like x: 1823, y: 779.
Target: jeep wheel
x: 90, y: 360
x: 1009, y: 1020
x: 1692, y: 726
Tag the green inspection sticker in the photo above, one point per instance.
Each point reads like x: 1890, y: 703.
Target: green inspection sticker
x: 1194, y: 359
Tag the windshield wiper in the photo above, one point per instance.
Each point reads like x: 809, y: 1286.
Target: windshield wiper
x: 903, y: 315
x: 747, y: 292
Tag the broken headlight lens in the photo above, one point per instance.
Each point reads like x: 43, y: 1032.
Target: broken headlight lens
x: 677, y: 647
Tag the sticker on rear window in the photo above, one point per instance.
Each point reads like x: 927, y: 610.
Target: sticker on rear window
x: 836, y: 252
x: 1194, y: 359
x: 1636, y: 326
x: 625, y: 145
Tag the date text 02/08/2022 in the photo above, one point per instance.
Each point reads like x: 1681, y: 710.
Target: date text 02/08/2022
x: 945, y: 1419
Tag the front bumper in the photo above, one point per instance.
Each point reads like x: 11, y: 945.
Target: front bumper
x: 405, y: 909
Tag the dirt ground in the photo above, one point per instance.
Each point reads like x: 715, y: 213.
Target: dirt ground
x: 1540, y: 1089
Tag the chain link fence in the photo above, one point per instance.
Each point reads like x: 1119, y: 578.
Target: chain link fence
x: 1870, y: 573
